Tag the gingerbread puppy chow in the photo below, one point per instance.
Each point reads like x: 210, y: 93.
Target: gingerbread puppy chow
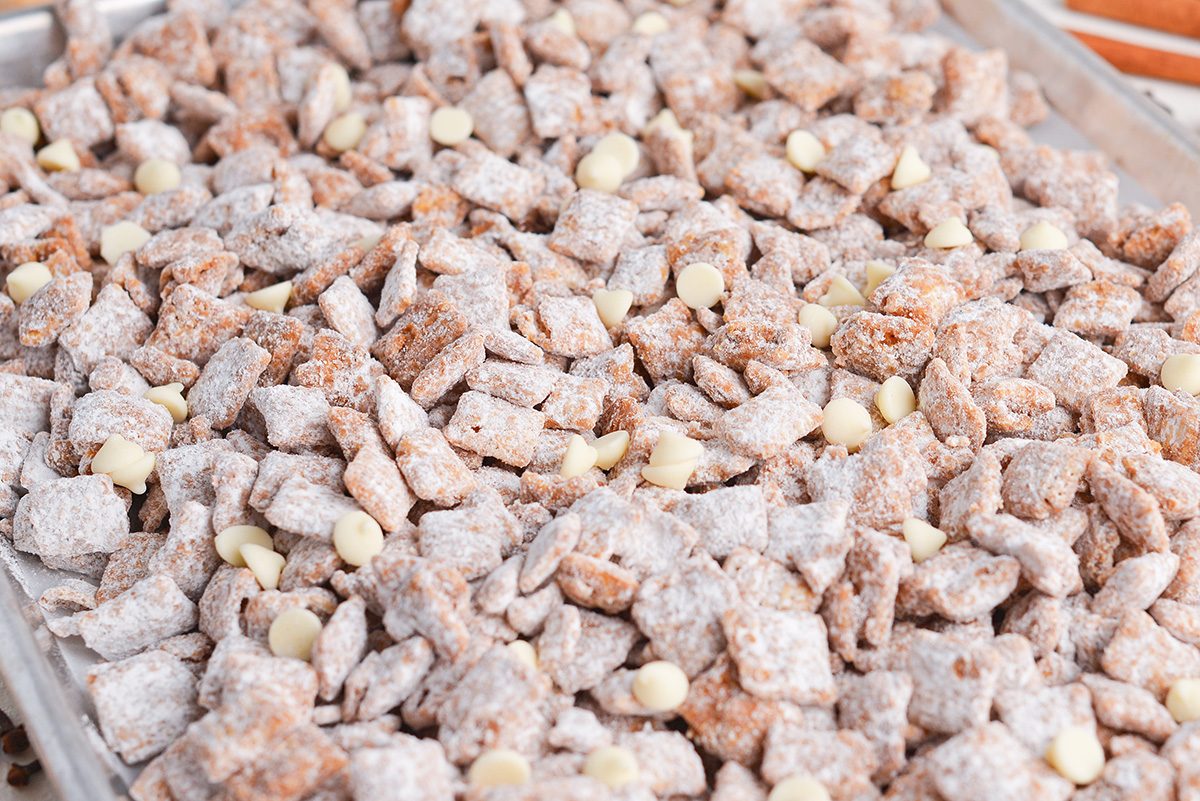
x: 596, y: 400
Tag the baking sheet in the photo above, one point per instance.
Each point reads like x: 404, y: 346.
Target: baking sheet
x: 1095, y: 108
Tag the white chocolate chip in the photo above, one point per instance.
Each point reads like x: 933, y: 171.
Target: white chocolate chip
x: 820, y: 322
x: 1182, y: 371
x: 450, y: 126
x: 264, y: 563
x: 1183, y: 700
x: 923, y: 539
x: 949, y: 233
x: 846, y: 422
x: 665, y: 118
x: 230, y: 541
x: 368, y: 242
x: 910, y: 170
x: 345, y: 132
x: 798, y: 788
x: 115, y: 453
x: 499, y: 767
x: 524, y: 650
x: 699, y: 285
x: 293, y: 633
x: 599, y: 171
x: 21, y: 123
x: 1077, y: 754
x: 671, y: 476
x: 610, y: 448
x: 651, y: 23
x: 612, y: 766
x: 343, y: 94
x: 578, y: 459
x: 1043, y: 236
x: 804, y: 150
x: 273, y: 298
x: 563, y: 20
x: 751, y: 82
x: 877, y: 273
x: 26, y: 280
x: 156, y: 175
x: 673, y: 448
x: 623, y: 148
x: 612, y: 305
x: 59, y: 156
x: 170, y: 396
x: 121, y: 238
x: 842, y: 293
x: 357, y: 537
x: 895, y: 399
x: 661, y: 686
x: 133, y: 476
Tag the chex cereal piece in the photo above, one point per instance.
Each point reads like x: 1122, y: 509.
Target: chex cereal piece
x: 100, y: 414
x: 554, y: 541
x: 295, y: 417
x: 806, y: 76
x: 423, y: 330
x: 147, y: 613
x: 953, y: 682
x: 113, y: 326
x: 1125, y: 707
x: 470, y: 537
x: 876, y: 705
x: 1142, y: 653
x: 949, y: 407
x: 1075, y: 369
x: 1047, y: 562
x: 433, y: 470
x: 813, y: 539
x: 144, y: 703
x: 385, y: 679
x: 496, y: 183
x: 1098, y: 309
x: 728, y: 721
x: 667, y: 340
x: 972, y: 492
x: 579, y: 648
x: 373, y: 479
x: 780, y: 655
x: 592, y: 226
x: 990, y: 755
x: 405, y: 767
x: 226, y: 381
x: 959, y: 582
x: 690, y: 639
x: 768, y: 423
x: 524, y: 385
x: 494, y: 427
x: 1042, y: 479
x: 726, y: 519
x: 881, y: 346
x: 447, y: 369
x: 308, y: 509
x: 188, y: 555
x: 841, y: 761
x: 1134, y: 510
x: 42, y: 522
x: 1174, y: 487
x: 596, y: 583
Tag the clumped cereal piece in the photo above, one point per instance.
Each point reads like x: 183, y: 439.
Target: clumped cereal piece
x: 592, y: 226
x: 1142, y: 653
x: 780, y: 655
x: 494, y: 427
x: 768, y: 423
x: 144, y: 703
x: 1042, y: 478
x: 881, y: 346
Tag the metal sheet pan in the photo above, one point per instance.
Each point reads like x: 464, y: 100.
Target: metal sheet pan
x: 1094, y: 106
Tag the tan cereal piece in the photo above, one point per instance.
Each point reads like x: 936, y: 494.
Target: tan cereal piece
x: 419, y: 334
x: 144, y: 703
x: 728, y: 721
x: 959, y: 582
x: 1134, y: 510
x: 147, y: 613
x: 596, y: 583
x: 1047, y: 562
x: 949, y: 407
x: 881, y: 346
x: 667, y: 340
x: 1042, y: 479
x: 373, y: 479
x: 226, y: 381
x: 592, y: 226
x: 449, y: 367
x: 498, y: 184
x: 1176, y: 488
x: 1143, y: 654
x: 768, y: 423
x: 780, y: 655
x: 493, y: 427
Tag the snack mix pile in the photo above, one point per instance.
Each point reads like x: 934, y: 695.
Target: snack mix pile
x: 507, y: 400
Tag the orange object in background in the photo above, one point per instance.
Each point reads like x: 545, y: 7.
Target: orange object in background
x: 1172, y: 16
x: 1145, y: 61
